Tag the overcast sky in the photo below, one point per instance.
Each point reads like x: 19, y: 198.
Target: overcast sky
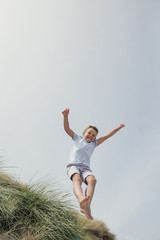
x: 100, y: 58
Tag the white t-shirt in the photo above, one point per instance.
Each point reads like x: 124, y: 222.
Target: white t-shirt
x: 81, y: 151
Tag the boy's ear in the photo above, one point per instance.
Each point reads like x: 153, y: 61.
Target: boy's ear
x: 83, y: 133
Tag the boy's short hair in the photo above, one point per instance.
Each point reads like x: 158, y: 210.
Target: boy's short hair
x: 90, y: 126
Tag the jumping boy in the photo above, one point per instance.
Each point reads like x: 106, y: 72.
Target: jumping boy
x: 78, y: 168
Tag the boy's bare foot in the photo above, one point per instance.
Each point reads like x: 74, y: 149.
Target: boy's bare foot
x: 82, y: 211
x: 87, y: 211
x: 83, y: 202
x: 85, y: 207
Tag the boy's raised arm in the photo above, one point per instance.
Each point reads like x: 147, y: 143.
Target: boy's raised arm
x: 110, y: 134
x: 66, y: 123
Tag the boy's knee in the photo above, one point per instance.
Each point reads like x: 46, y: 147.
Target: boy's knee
x: 91, y: 180
x: 76, y: 177
x: 94, y: 181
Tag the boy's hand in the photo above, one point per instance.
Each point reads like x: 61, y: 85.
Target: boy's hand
x: 122, y: 125
x: 66, y: 123
x: 65, y: 112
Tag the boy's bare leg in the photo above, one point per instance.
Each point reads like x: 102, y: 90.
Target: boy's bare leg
x: 91, y: 183
x: 77, y: 189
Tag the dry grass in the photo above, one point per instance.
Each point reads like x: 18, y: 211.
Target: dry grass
x: 35, y: 212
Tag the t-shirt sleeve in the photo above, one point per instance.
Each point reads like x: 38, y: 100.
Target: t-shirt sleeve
x: 96, y: 141
x: 75, y: 136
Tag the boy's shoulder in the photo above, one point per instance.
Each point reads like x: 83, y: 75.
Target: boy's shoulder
x: 76, y: 136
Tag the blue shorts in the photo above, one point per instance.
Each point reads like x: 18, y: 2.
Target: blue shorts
x: 83, y: 171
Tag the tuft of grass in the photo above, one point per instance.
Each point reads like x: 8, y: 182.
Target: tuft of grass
x: 25, y: 210
x: 96, y: 230
x: 37, y: 212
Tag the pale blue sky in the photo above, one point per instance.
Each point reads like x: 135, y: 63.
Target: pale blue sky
x: 100, y: 58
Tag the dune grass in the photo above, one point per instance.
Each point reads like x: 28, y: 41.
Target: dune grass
x: 35, y: 212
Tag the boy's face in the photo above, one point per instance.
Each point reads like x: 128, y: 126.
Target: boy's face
x: 90, y: 135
